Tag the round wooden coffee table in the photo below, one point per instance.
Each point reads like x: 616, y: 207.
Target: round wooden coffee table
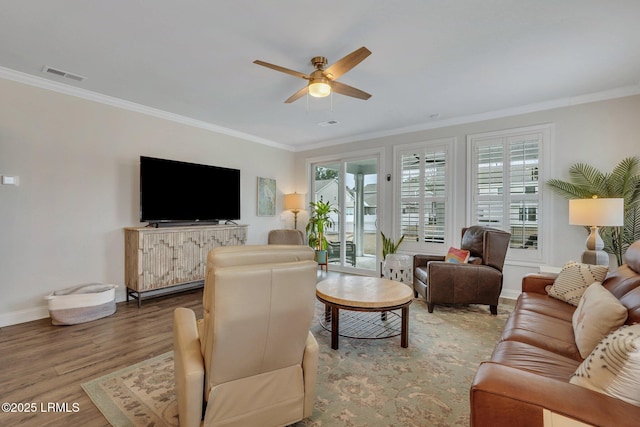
x: 360, y: 293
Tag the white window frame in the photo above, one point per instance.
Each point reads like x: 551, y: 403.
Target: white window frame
x: 343, y: 157
x: 447, y: 145
x: 545, y: 132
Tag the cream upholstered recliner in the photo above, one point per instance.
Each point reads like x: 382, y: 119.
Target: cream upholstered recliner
x: 251, y: 361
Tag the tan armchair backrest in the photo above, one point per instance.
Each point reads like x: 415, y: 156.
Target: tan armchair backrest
x: 286, y: 237
x: 258, y: 306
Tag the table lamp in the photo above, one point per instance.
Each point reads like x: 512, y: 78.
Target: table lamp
x: 596, y: 212
x: 295, y: 203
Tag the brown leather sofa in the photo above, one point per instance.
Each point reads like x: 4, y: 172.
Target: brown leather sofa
x: 532, y: 364
x: 477, y: 282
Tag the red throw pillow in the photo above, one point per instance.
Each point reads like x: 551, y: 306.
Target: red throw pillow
x: 456, y: 255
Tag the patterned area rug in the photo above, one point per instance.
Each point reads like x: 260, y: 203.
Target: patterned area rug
x: 367, y: 382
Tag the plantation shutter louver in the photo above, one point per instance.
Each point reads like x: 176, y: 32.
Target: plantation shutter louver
x: 423, y: 194
x: 505, y: 180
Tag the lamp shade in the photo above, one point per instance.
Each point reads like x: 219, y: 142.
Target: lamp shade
x: 596, y: 212
x: 294, y: 202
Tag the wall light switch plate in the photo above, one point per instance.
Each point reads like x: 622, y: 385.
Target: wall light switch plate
x: 9, y: 180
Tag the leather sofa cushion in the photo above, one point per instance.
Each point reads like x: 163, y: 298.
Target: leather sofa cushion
x: 546, y: 305
x: 624, y: 284
x: 533, y: 359
x: 545, y: 332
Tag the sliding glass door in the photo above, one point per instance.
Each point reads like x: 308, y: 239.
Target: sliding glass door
x: 352, y: 186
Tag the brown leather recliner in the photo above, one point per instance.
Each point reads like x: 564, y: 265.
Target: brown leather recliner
x: 251, y: 360
x: 477, y: 282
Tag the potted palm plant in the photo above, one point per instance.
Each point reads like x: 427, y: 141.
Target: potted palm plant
x: 622, y: 182
x: 319, y: 221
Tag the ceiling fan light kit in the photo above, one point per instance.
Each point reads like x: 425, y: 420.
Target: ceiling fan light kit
x: 319, y: 88
x: 322, y: 81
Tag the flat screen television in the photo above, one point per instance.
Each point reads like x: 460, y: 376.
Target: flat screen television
x: 178, y: 192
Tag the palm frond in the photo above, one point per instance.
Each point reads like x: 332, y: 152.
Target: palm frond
x: 631, y: 229
x: 607, y: 234
x: 568, y: 190
x: 624, y: 177
x: 633, y: 193
x: 622, y: 182
x: 588, y: 177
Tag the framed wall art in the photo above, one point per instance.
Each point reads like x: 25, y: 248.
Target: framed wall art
x: 266, y: 196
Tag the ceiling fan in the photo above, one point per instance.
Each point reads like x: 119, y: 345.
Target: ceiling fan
x: 323, y: 80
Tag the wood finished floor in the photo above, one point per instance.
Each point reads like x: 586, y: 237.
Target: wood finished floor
x: 42, y: 363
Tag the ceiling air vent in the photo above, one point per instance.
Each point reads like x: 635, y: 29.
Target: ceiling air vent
x: 64, y: 74
x: 329, y: 123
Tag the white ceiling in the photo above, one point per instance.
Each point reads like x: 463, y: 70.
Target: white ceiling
x: 458, y: 59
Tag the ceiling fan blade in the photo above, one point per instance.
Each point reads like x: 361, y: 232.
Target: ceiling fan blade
x: 344, y: 89
x: 348, y: 62
x: 299, y: 94
x: 282, y: 69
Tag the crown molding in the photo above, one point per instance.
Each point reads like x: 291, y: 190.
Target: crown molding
x: 66, y: 89
x: 490, y: 115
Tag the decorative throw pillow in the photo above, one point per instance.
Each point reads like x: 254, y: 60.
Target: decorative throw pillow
x: 612, y: 367
x: 574, y: 279
x: 598, y: 314
x: 459, y: 256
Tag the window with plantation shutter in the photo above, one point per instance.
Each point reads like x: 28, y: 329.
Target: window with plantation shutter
x: 505, y: 173
x: 423, y: 189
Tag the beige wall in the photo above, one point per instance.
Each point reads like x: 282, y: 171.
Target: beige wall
x: 598, y: 133
x: 78, y: 166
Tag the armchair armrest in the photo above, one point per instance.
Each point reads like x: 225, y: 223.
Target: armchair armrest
x: 310, y: 372
x: 189, y: 367
x: 422, y: 260
x: 506, y: 396
x: 536, y: 282
x: 463, y: 283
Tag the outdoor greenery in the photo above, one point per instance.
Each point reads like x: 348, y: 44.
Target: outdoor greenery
x: 389, y: 246
x: 323, y: 173
x: 623, y: 182
x: 319, y: 221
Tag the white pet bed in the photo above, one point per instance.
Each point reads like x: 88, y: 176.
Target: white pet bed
x: 80, y: 304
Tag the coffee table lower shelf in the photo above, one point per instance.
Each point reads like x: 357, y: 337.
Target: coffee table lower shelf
x: 365, y: 325
x: 334, y: 316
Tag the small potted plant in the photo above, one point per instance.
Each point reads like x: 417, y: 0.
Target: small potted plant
x: 395, y: 266
x: 319, y: 221
x: 389, y: 246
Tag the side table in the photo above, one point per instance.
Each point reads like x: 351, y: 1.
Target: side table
x: 398, y: 267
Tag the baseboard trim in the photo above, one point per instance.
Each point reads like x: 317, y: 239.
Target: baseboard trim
x: 509, y: 296
x: 22, y: 316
